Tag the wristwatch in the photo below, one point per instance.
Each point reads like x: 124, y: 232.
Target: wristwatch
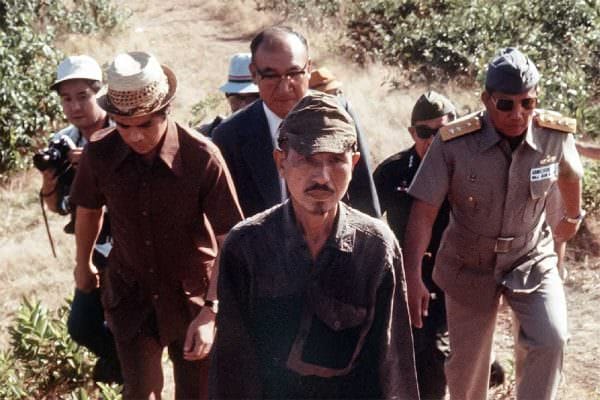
x: 575, y: 220
x: 212, y: 305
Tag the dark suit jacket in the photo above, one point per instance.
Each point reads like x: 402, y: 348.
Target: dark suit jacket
x: 246, y: 144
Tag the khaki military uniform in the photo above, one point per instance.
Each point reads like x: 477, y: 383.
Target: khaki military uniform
x: 497, y: 243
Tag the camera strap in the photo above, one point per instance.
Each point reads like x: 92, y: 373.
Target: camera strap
x: 46, y: 223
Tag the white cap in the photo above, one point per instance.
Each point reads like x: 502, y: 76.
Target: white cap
x: 240, y: 78
x: 77, y: 67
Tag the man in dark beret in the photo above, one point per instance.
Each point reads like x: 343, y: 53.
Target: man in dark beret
x: 312, y: 300
x: 496, y: 168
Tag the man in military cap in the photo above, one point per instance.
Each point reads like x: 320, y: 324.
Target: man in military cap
x: 496, y: 168
x: 392, y: 179
x: 311, y: 291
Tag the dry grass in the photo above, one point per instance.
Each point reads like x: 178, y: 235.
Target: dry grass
x: 196, y: 40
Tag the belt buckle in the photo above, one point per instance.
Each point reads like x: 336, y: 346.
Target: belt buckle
x: 503, y: 244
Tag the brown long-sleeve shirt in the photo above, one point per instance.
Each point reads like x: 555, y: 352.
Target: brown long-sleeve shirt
x: 165, y: 218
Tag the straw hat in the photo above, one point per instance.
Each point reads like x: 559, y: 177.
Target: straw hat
x: 240, y: 78
x: 77, y: 67
x: 137, y: 85
x: 323, y: 80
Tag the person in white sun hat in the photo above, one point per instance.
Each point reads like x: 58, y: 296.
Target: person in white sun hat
x: 239, y: 89
x: 172, y: 202
x: 78, y: 81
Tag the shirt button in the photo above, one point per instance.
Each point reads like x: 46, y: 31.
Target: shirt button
x: 155, y: 296
x: 471, y: 198
x: 148, y: 242
x: 145, y: 213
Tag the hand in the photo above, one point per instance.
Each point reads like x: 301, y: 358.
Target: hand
x: 565, y: 230
x: 74, y: 155
x: 200, y: 336
x: 418, y: 301
x: 86, y: 278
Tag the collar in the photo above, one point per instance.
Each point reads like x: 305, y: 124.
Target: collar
x: 491, y: 137
x: 341, y: 237
x: 169, y: 152
x: 274, y: 121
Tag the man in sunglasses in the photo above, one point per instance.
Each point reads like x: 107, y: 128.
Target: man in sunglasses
x: 281, y: 68
x: 496, y: 168
x: 392, y: 178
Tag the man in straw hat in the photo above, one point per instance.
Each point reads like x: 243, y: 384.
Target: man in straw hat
x: 497, y: 168
x: 78, y: 81
x: 172, y: 201
x: 312, y: 291
x: 281, y: 68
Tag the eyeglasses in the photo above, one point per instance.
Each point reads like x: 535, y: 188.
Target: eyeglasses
x: 274, y: 78
x: 507, y: 105
x: 425, y: 132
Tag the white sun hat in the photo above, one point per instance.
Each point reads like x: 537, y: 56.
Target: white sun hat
x: 240, y: 78
x: 77, y: 67
x: 137, y: 85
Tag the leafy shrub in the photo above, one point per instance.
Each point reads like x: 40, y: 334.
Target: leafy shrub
x: 28, y: 60
x: 44, y: 362
x: 591, y: 188
x: 203, y: 108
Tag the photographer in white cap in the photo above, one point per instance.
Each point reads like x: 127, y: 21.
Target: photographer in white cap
x: 172, y: 201
x: 78, y: 80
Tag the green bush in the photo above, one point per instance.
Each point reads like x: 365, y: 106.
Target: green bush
x: 44, y: 362
x: 28, y: 60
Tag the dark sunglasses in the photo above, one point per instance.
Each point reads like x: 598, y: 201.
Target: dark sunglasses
x: 425, y: 132
x: 507, y: 105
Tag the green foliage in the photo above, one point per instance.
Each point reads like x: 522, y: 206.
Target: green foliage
x: 591, y: 188
x: 454, y: 39
x: 44, y: 362
x: 204, y: 108
x: 28, y: 60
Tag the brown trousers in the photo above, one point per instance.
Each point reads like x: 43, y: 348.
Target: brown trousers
x: 141, y: 365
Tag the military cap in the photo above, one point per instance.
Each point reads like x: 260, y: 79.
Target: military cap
x: 511, y: 72
x: 431, y: 105
x: 317, y: 124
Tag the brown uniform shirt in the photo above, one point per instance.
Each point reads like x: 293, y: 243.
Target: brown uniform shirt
x: 494, y: 193
x: 164, y: 217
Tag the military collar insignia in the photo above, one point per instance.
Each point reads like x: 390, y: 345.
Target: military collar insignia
x: 468, y: 124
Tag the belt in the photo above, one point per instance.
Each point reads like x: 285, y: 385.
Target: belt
x: 500, y: 244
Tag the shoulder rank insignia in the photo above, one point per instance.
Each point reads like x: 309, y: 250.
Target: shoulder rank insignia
x: 101, y: 134
x: 555, y: 121
x: 467, y: 124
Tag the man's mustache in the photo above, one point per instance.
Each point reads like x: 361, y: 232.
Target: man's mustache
x: 318, y: 186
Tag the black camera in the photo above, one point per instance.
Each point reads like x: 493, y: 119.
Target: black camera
x: 55, y: 156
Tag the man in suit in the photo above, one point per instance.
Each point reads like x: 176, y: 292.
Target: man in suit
x: 281, y: 68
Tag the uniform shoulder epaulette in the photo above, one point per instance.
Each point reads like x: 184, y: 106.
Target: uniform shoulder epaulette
x: 468, y: 124
x: 101, y: 134
x: 556, y: 121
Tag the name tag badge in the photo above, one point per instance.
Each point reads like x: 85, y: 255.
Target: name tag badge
x: 549, y: 171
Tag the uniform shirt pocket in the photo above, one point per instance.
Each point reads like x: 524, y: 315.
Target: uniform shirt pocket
x: 331, y: 336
